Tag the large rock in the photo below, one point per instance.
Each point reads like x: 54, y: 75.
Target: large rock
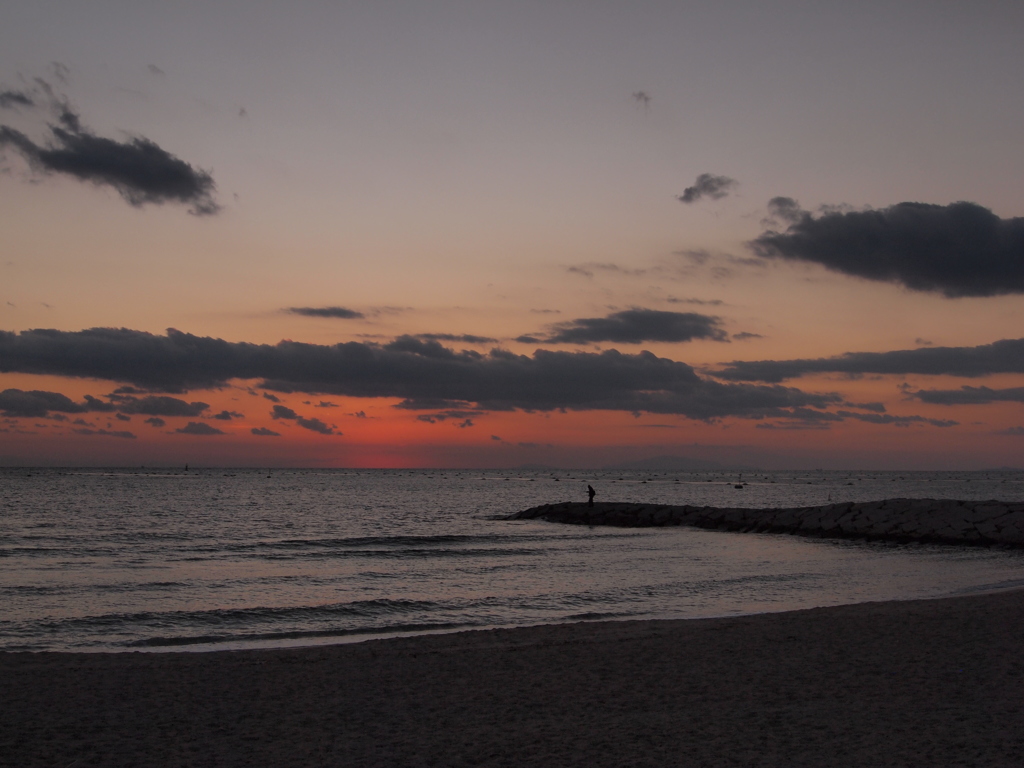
x: 944, y: 521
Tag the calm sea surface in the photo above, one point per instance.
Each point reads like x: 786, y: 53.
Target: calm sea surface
x: 117, y: 560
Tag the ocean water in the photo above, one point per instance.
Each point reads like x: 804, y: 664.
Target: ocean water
x: 136, y: 559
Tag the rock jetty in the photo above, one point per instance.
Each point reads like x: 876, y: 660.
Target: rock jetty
x: 941, y: 521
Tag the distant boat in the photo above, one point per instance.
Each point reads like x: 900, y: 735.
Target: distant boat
x: 738, y: 486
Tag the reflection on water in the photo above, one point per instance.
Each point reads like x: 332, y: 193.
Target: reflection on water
x: 102, y: 560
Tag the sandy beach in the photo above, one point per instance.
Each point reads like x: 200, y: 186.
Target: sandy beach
x: 934, y: 682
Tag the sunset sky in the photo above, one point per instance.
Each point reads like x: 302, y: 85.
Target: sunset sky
x: 495, y: 234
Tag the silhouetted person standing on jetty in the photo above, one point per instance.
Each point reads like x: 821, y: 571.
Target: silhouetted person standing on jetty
x: 591, y: 493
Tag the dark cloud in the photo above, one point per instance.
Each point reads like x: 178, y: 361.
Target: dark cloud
x: 970, y: 396
x: 122, y: 417
x: 898, y: 421
x: 421, y: 373
x: 283, y: 412
x: 158, y: 405
x: 956, y: 250
x: 104, y: 433
x: 339, y: 312
x: 429, y: 348
x: 10, y: 99
x: 783, y: 210
x: 432, y: 403
x: 315, y: 425
x: 139, y: 169
x: 228, y: 415
x: 744, y: 335
x: 1005, y: 356
x: 1015, y: 431
x: 708, y: 185
x: 156, y: 421
x: 805, y: 418
x: 635, y: 326
x: 264, y: 432
x: 271, y: 398
x: 463, y: 338
x: 327, y: 404
x: 433, y: 418
x: 36, y: 404
x: 95, y: 404
x: 876, y: 407
x: 198, y: 428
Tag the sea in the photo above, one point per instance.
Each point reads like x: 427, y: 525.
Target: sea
x: 175, y: 559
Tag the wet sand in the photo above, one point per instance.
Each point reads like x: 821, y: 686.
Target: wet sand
x: 924, y: 683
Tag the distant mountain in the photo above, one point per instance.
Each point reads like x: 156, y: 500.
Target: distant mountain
x: 672, y: 464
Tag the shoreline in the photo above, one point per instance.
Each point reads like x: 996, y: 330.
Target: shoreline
x: 356, y: 638
x: 932, y: 681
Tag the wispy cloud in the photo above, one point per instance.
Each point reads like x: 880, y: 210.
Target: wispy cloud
x: 336, y: 312
x: 698, y: 302
x: 10, y: 99
x: 590, y: 268
x: 708, y: 185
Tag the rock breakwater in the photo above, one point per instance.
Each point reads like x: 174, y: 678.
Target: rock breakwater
x: 942, y: 521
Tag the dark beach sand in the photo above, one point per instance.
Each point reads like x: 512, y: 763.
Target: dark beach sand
x: 925, y: 683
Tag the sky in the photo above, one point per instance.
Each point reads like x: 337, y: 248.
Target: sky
x: 503, y: 234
